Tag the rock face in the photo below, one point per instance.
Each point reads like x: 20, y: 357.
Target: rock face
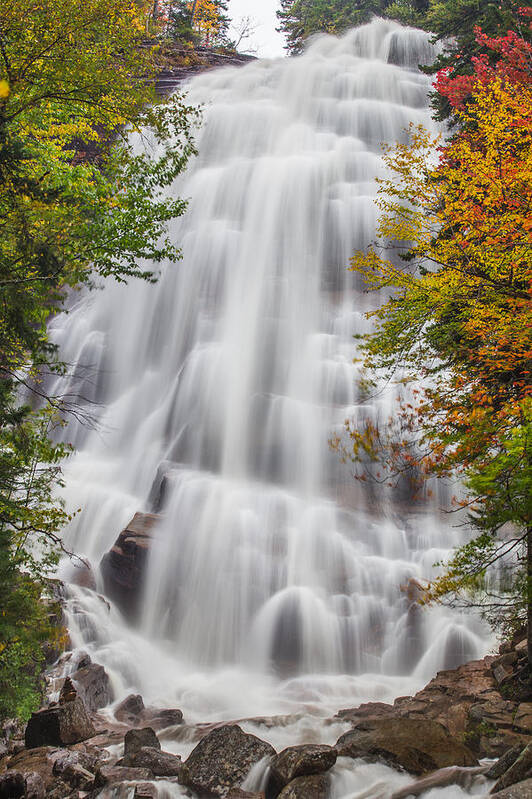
x: 316, y: 787
x: 123, y: 568
x: 222, y: 760
x: 59, y: 725
x: 299, y: 761
x: 93, y: 686
x: 467, y: 701
x: 416, y: 745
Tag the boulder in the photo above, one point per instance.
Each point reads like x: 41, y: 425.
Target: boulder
x: 93, y: 686
x: 123, y: 567
x: 314, y: 787
x: 523, y: 790
x: 222, y: 760
x: 107, y: 775
x: 415, y: 745
x: 519, y: 771
x: 299, y: 761
x: 161, y: 764
x: 130, y: 709
x: 59, y: 725
x: 134, y: 740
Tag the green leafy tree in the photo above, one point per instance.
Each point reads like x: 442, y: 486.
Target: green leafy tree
x: 78, y: 201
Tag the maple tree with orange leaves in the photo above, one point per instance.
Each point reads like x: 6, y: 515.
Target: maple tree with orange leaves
x: 460, y: 316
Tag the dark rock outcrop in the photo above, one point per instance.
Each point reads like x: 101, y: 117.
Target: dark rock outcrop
x: 299, y: 761
x: 415, y: 745
x: 123, y: 568
x: 316, y: 787
x: 221, y: 761
x: 59, y: 725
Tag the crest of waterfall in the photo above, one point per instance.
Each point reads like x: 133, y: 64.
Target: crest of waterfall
x: 217, y: 390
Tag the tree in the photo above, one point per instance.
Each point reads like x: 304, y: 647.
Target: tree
x: 456, y: 23
x: 209, y: 20
x: 77, y: 203
x: 460, y: 317
x: 299, y: 19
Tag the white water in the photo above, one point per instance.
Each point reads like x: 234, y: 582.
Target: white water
x: 275, y: 583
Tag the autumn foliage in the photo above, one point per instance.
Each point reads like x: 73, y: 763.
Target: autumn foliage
x: 455, y: 243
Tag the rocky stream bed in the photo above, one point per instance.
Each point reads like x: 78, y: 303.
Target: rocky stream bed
x: 76, y: 747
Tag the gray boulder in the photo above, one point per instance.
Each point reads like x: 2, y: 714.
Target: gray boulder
x: 221, y: 761
x: 415, y: 745
x: 134, y: 740
x: 299, y: 761
x: 314, y: 787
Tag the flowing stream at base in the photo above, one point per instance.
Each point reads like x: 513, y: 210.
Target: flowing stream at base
x: 274, y: 581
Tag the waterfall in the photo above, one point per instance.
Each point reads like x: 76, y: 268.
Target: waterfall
x: 274, y: 581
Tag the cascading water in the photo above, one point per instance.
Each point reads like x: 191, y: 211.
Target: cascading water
x: 274, y: 584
